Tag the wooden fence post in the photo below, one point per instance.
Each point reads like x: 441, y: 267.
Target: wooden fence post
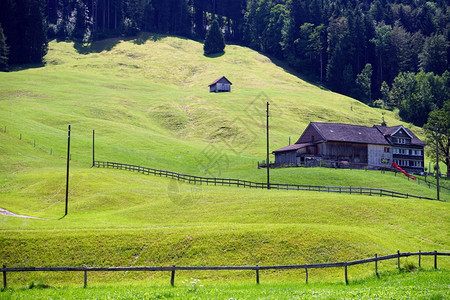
x: 257, y: 274
x: 435, y: 259
x: 4, y: 277
x: 172, y: 277
x: 306, y: 270
x: 398, y: 259
x: 419, y: 258
x: 346, y: 274
x: 85, y: 277
x: 376, y: 265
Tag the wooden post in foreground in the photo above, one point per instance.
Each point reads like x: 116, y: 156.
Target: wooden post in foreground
x: 172, y: 277
x: 435, y: 259
x: 419, y: 258
x: 4, y: 277
x: 346, y: 274
x: 306, y: 270
x: 398, y: 259
x: 257, y: 274
x: 85, y: 277
x: 376, y: 265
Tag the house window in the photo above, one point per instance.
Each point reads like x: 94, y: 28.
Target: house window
x: 416, y: 152
x: 386, y: 149
x: 416, y: 164
x: 400, y: 151
x: 401, y: 162
x: 401, y: 141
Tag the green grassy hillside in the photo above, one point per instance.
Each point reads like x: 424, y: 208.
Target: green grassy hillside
x: 148, y: 100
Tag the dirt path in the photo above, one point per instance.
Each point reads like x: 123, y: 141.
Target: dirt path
x: 5, y: 212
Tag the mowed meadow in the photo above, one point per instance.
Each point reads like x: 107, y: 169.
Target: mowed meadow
x: 148, y: 100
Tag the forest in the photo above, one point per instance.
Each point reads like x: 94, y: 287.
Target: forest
x: 386, y: 53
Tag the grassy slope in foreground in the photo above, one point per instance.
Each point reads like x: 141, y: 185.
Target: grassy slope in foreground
x: 156, y: 112
x: 391, y: 285
x: 119, y: 218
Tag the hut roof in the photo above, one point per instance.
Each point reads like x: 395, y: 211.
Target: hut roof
x: 292, y: 147
x: 222, y: 79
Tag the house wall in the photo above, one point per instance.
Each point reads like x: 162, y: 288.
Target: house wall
x: 379, y: 156
x: 352, y: 152
x: 220, y: 87
x: 287, y: 157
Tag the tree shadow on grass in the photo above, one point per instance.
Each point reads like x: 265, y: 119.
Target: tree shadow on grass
x: 17, y: 68
x: 96, y: 46
x: 108, y: 44
x: 143, y: 37
x: 215, y: 55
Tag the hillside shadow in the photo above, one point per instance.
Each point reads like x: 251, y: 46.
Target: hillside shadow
x: 290, y: 70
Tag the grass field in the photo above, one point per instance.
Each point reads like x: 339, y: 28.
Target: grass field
x: 153, y: 110
x: 419, y: 284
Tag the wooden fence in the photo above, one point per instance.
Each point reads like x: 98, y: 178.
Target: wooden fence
x: 256, y: 268
x: 249, y: 184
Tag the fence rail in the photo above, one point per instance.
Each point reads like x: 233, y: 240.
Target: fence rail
x: 256, y: 268
x: 250, y: 184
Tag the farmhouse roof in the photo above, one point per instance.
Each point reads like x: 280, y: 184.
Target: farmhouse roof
x: 390, y: 131
x: 349, y: 133
x: 222, y: 79
x: 292, y: 147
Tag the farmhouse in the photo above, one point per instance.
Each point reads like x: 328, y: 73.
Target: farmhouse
x: 345, y: 145
x: 220, y: 85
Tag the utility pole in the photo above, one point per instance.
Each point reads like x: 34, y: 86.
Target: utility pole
x: 93, y: 147
x: 437, y: 161
x: 67, y: 174
x: 267, y: 157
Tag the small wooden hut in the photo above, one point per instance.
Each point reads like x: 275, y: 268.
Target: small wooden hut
x: 220, y: 85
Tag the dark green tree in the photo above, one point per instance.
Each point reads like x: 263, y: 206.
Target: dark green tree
x: 382, y: 43
x: 317, y: 43
x: 273, y: 30
x: 364, y: 82
x: 214, y: 41
x: 418, y: 94
x: 385, y: 94
x: 440, y: 119
x: 81, y: 31
x: 434, y: 55
x: 3, y: 51
x: 339, y: 69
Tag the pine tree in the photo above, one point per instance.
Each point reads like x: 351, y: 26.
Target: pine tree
x: 3, y: 51
x: 214, y: 41
x: 364, y: 82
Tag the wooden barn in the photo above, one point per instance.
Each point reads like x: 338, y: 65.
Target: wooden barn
x: 220, y: 85
x: 344, y: 145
